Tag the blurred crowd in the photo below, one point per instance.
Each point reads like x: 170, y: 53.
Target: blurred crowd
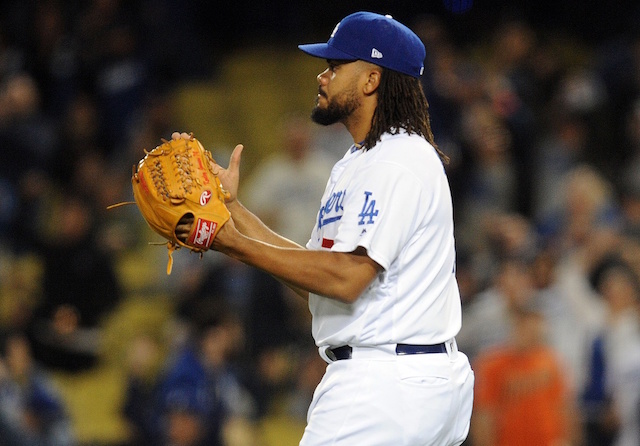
x: 543, y: 132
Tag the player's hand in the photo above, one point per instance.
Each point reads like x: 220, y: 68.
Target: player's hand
x: 178, y: 135
x: 222, y: 240
x: 183, y: 228
x: 230, y: 176
x: 225, y: 237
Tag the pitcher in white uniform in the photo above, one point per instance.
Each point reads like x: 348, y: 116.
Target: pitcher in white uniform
x: 379, y: 268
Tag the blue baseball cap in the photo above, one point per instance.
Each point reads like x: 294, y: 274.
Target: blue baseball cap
x: 375, y: 38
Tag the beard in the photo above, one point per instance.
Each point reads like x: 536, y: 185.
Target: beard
x: 338, y: 110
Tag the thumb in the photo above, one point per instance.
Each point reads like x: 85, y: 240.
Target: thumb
x: 236, y: 155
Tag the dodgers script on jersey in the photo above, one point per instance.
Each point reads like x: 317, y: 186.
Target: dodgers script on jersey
x: 394, y: 201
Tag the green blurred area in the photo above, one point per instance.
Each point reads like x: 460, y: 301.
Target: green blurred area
x: 244, y: 104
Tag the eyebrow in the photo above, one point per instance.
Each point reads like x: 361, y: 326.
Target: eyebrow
x: 336, y: 62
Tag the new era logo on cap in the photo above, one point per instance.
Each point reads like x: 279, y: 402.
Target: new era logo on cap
x: 374, y: 38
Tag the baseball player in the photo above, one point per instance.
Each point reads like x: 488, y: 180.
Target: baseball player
x: 379, y: 268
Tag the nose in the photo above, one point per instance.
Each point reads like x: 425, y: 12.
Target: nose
x: 322, y: 77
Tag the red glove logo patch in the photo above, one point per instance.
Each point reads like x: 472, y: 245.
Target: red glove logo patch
x: 202, y: 236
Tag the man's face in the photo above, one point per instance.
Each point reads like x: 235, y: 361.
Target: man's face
x: 337, y: 93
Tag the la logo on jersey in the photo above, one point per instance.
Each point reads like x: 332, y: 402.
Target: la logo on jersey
x: 369, y: 211
x: 332, y: 209
x: 203, y: 234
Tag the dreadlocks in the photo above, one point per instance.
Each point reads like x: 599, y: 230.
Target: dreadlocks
x: 401, y: 105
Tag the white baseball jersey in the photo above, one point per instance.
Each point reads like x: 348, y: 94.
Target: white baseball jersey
x: 394, y: 200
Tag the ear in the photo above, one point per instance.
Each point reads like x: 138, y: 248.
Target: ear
x: 373, y: 80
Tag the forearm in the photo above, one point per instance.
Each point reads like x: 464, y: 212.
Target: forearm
x: 250, y: 225
x: 340, y: 276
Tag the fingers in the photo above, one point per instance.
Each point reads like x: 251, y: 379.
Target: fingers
x: 236, y: 155
x: 182, y: 236
x: 183, y: 228
x: 179, y: 135
x: 186, y: 219
x: 234, y: 162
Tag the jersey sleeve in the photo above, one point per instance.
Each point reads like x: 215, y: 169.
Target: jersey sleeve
x: 383, y: 207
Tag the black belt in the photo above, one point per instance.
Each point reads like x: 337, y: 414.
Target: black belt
x: 344, y: 352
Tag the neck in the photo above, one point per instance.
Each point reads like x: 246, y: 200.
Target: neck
x: 358, y: 124
x: 358, y: 134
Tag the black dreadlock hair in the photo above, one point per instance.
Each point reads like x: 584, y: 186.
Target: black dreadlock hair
x: 401, y: 105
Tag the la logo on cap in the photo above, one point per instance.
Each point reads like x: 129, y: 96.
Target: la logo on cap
x: 374, y: 38
x: 333, y: 33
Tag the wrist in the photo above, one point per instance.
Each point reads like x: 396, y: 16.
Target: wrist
x: 233, y: 204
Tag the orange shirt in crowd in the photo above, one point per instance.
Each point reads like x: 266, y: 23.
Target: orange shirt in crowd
x: 520, y: 397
